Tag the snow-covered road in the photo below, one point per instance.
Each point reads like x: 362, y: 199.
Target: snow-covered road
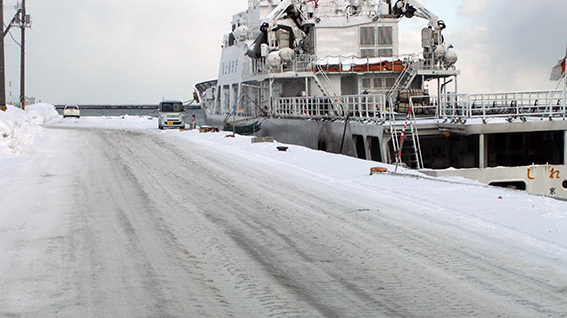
x: 133, y: 222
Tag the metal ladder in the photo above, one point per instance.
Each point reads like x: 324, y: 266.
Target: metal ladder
x: 407, y: 150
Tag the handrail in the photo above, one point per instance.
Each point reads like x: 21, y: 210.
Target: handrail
x: 513, y: 104
x: 356, y: 106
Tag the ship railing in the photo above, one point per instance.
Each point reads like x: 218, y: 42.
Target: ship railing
x: 427, y: 61
x: 300, y: 63
x: 515, y: 104
x: 356, y: 64
x: 255, y: 67
x: 424, y: 107
x: 340, y: 64
x: 303, y: 63
x: 365, y: 106
x: 356, y: 106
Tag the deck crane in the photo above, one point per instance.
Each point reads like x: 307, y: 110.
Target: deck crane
x: 435, y: 51
x: 411, y: 8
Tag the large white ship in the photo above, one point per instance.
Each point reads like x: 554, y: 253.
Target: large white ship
x: 328, y: 75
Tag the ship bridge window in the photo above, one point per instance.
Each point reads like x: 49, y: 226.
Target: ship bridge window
x: 364, y: 53
x: 376, y: 41
x: 385, y: 52
x: 385, y: 37
x: 367, y: 36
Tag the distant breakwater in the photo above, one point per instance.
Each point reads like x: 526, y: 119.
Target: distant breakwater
x: 111, y: 106
x: 132, y: 110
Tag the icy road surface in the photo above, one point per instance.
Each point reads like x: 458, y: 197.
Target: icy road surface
x: 99, y: 222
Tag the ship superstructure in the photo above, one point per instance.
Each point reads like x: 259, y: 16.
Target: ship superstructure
x: 292, y: 48
x: 328, y: 75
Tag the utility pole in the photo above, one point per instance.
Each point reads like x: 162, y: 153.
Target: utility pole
x: 2, y: 69
x: 24, y: 23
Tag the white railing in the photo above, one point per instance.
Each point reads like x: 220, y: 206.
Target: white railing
x: 424, y: 107
x: 357, y: 106
x: 515, y: 104
x: 365, y: 106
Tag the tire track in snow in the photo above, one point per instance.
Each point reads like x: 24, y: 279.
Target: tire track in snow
x: 214, y: 235
x: 492, y: 280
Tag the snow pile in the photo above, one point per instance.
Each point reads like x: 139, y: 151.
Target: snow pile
x: 42, y: 113
x: 19, y: 128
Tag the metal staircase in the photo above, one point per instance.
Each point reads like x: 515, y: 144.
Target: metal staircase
x: 328, y: 89
x: 403, y: 81
x: 329, y: 84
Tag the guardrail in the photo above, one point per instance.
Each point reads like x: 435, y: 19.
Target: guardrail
x: 356, y: 106
x: 515, y: 104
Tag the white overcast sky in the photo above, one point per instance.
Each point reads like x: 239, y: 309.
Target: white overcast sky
x: 140, y: 51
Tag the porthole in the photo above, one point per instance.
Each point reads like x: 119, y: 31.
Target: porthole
x: 565, y: 184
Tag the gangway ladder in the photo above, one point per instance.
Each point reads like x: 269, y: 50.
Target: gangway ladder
x: 408, y: 149
x: 393, y: 131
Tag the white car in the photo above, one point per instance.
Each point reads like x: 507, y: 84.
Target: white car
x: 171, y: 114
x: 71, y: 111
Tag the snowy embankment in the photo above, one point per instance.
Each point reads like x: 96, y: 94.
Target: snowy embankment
x: 18, y: 128
x: 538, y: 222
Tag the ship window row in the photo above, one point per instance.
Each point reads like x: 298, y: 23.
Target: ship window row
x: 377, y: 83
x: 376, y: 41
x: 371, y: 53
x: 376, y: 36
x: 229, y: 67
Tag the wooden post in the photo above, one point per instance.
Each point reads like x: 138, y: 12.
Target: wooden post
x: 2, y: 62
x: 23, y: 57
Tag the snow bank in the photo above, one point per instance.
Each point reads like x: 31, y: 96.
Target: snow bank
x: 42, y: 113
x: 19, y: 128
